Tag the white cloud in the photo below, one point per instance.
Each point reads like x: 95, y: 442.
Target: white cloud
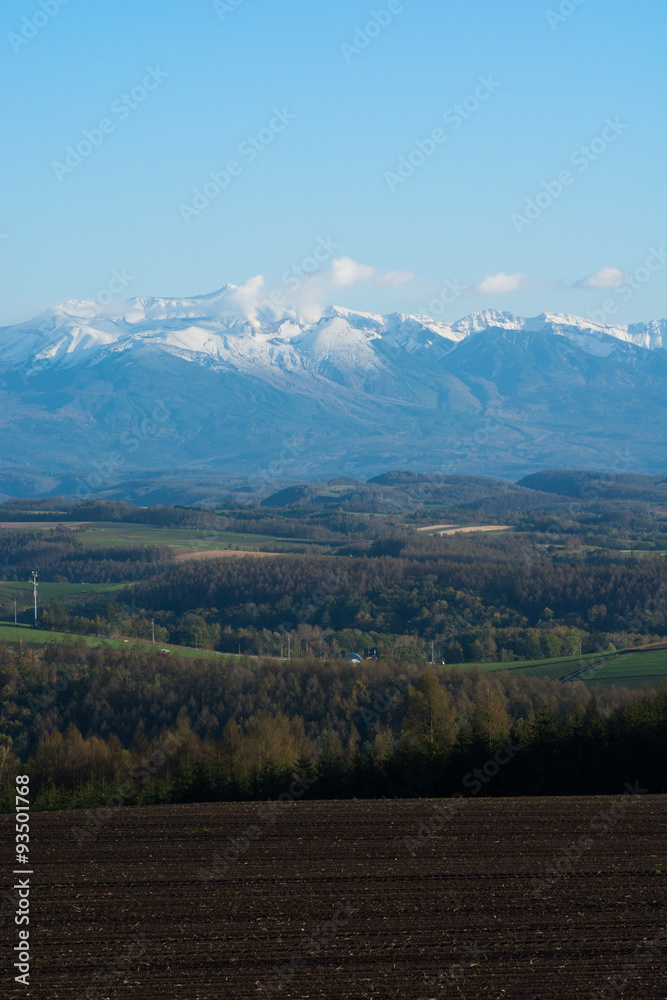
x: 606, y: 277
x: 495, y: 284
x: 247, y: 296
x: 320, y: 289
x: 344, y: 271
x: 307, y: 298
x: 395, y: 278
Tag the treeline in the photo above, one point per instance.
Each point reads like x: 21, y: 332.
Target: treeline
x: 415, y: 734
x: 59, y: 557
x: 504, y: 598
x: 584, y: 485
x: 43, y: 505
x: 610, y: 525
x: 137, y: 694
x: 118, y: 622
x: 512, y: 574
x: 482, y: 601
x: 198, y: 629
x: 312, y: 525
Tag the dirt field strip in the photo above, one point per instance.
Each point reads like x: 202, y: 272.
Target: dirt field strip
x: 42, y: 524
x: 453, y: 529
x: 328, y: 903
x: 221, y: 554
x: 476, y: 527
x: 432, y: 527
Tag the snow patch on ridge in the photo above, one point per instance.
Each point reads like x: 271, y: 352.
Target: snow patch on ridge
x: 221, y: 328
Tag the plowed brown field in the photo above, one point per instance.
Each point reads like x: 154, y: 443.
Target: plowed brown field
x: 328, y: 902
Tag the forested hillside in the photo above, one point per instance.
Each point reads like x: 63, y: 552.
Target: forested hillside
x: 90, y: 725
x: 417, y: 573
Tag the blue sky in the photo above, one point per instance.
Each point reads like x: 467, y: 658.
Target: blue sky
x: 332, y: 96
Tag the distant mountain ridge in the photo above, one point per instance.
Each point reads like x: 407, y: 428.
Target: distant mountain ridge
x: 402, y: 490
x: 220, y: 382
x: 585, y: 485
x: 222, y: 328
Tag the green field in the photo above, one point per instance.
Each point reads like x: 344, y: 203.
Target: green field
x: 117, y: 533
x: 86, y: 598
x: 632, y: 670
x: 54, y: 591
x: 11, y: 633
x: 554, y: 668
x: 335, y: 489
x: 626, y: 669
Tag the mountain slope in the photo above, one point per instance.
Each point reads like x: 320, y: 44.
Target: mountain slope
x: 213, y: 383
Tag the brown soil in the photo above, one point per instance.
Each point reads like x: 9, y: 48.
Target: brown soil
x: 218, y: 554
x: 328, y: 902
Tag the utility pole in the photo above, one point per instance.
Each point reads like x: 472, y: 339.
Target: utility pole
x: 488, y: 711
x: 153, y: 628
x: 289, y: 647
x: 431, y: 653
x: 34, y: 592
x: 15, y: 611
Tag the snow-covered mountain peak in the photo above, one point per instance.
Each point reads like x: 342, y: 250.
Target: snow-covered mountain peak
x: 485, y: 318
x: 229, y: 328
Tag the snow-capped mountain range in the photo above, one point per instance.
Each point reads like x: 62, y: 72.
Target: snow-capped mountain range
x: 244, y: 386
x: 217, y: 329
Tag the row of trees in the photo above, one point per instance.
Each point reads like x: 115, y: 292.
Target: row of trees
x: 139, y: 695
x: 431, y: 752
x: 199, y: 628
x: 58, y: 556
x: 492, y: 601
